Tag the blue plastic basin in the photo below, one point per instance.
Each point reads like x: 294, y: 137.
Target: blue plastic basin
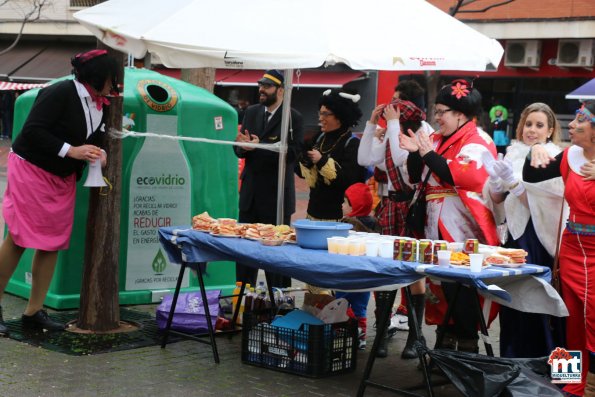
x: 313, y: 234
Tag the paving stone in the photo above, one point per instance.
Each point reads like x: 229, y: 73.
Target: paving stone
x: 184, y: 368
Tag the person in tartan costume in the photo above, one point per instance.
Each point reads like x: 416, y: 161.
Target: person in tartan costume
x: 384, y: 151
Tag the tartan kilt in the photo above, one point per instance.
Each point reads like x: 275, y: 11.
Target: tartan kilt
x: 391, y: 217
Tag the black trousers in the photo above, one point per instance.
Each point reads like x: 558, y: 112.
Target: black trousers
x: 464, y: 315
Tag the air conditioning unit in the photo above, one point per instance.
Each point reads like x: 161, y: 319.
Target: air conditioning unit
x: 576, y: 53
x: 523, y: 53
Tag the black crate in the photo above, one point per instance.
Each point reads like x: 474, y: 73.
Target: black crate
x: 316, y: 351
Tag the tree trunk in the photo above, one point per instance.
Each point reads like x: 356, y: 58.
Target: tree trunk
x: 201, y: 77
x: 99, y: 304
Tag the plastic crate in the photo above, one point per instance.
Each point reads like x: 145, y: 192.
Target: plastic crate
x: 315, y: 351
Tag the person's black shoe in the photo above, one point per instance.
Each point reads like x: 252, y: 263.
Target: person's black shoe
x: 3, y: 327
x: 41, y: 320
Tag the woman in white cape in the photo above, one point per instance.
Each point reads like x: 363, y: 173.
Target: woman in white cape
x: 527, y: 209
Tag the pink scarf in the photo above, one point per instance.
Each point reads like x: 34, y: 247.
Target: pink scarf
x: 99, y: 100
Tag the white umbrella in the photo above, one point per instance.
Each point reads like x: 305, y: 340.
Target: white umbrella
x: 283, y: 34
x: 289, y: 34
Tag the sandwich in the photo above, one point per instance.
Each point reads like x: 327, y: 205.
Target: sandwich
x: 266, y: 231
x: 203, y: 222
x: 496, y: 259
x: 228, y: 227
x: 515, y: 255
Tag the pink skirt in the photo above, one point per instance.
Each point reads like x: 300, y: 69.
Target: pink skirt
x: 38, y: 206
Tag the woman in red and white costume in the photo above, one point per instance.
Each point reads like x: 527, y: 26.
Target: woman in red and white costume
x: 456, y: 208
x: 577, y: 249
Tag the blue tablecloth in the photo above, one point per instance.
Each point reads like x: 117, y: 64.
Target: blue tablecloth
x: 512, y: 287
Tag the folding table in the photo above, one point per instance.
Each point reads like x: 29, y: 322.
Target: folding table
x: 194, y: 249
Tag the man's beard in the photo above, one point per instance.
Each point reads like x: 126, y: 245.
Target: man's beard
x: 269, y: 99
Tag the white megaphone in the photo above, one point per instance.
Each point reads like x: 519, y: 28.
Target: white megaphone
x: 94, y: 176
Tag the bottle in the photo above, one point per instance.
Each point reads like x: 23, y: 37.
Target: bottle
x: 249, y: 301
x: 235, y: 295
x: 242, y: 304
x: 261, y: 288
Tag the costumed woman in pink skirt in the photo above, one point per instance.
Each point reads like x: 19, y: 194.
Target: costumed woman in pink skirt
x: 61, y: 134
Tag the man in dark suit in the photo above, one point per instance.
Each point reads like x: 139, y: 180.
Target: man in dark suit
x: 258, y: 194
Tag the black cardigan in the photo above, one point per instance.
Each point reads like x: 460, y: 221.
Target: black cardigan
x: 57, y: 116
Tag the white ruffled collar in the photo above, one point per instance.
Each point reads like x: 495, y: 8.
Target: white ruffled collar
x: 576, y: 158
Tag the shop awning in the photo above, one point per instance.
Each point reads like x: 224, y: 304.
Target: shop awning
x: 38, y: 61
x: 10, y: 86
x: 584, y: 92
x: 306, y: 78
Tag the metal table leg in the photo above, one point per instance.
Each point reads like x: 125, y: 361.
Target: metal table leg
x: 203, y: 294
x: 172, y: 309
x: 482, y: 323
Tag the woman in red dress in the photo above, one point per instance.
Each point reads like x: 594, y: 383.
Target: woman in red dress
x: 577, y: 249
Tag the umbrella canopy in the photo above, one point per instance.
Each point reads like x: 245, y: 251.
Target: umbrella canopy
x: 282, y: 34
x: 584, y: 92
x: 288, y: 34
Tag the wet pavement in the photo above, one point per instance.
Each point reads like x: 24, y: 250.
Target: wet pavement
x: 184, y: 368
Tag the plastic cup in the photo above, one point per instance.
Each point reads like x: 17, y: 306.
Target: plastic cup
x: 342, y: 246
x: 372, y: 247
x: 386, y: 249
x: 333, y: 248
x: 356, y: 247
x: 444, y: 257
x: 475, y: 262
x: 361, y: 247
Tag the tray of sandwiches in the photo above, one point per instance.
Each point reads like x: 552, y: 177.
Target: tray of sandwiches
x: 493, y: 256
x: 507, y: 257
x: 266, y: 234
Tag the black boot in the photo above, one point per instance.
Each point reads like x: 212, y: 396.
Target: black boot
x: 418, y: 302
x: 382, y: 351
x: 470, y: 345
x: 3, y: 327
x: 449, y: 340
x: 381, y: 305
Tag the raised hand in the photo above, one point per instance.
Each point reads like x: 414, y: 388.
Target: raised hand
x: 390, y: 113
x: 588, y: 170
x: 423, y: 143
x: 408, y: 142
x: 247, y: 138
x: 540, y: 157
x: 503, y: 169
x: 375, y: 116
x: 488, y: 162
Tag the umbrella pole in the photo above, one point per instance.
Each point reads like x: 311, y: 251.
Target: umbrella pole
x: 285, y: 119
